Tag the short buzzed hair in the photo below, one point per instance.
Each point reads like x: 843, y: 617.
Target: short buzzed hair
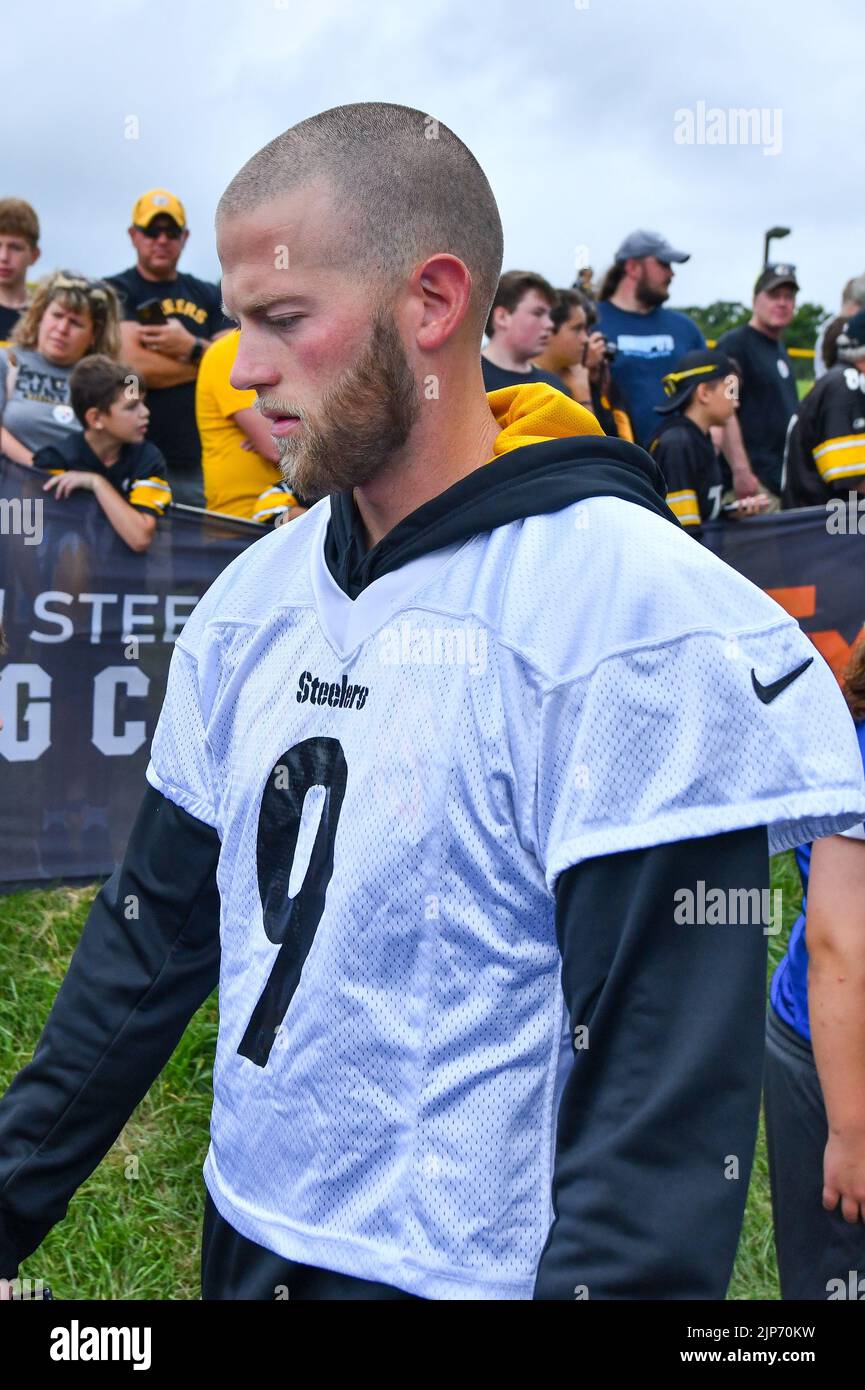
x: 418, y: 189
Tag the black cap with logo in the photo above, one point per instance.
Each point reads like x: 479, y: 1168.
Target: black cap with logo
x: 771, y: 276
x: 703, y: 364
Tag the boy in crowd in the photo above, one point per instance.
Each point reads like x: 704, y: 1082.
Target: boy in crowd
x: 519, y: 327
x: 825, y: 453
x: 111, y: 457
x: 703, y: 391
x: 19, y: 249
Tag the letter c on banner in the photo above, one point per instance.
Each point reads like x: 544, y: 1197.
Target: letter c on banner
x: 104, y: 710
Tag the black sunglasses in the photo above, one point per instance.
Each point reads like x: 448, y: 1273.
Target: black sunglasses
x: 174, y: 233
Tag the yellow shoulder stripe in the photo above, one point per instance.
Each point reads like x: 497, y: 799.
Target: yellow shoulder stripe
x: 684, y: 505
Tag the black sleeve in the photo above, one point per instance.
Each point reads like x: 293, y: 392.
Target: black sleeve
x: 680, y: 461
x: 147, y: 958
x: 49, y: 457
x: 658, y: 1118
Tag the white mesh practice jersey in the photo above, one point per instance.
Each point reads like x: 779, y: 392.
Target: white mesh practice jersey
x: 396, y: 782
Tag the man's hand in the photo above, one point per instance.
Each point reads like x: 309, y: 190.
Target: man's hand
x: 750, y: 505
x: 64, y: 483
x: 171, y: 339
x: 844, y: 1175
x: 745, y: 483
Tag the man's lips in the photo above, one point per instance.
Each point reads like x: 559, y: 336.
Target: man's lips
x: 281, y: 424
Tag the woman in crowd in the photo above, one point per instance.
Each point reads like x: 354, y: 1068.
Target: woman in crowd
x: 69, y: 317
x: 815, y: 1065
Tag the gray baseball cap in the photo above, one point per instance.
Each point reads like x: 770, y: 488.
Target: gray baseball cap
x: 643, y: 243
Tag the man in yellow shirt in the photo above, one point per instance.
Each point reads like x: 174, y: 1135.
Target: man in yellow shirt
x: 239, y: 457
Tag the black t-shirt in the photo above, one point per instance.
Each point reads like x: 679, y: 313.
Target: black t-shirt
x: 768, y: 398
x: 197, y: 304
x: 692, y: 469
x: 826, y: 446
x: 8, y: 320
x: 496, y: 378
x: 139, y: 473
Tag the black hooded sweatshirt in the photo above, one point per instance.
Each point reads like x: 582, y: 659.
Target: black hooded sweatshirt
x: 644, y: 1203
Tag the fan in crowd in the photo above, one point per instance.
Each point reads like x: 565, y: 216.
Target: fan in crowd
x: 852, y: 300
x: 769, y: 397
x: 519, y: 327
x: 110, y: 456
x: 578, y: 355
x: 69, y: 317
x: 19, y: 250
x: 169, y: 320
x: 825, y: 454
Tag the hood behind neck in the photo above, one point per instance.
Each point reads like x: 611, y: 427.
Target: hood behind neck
x: 549, y: 453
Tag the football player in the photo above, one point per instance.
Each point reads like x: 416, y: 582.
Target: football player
x: 435, y: 766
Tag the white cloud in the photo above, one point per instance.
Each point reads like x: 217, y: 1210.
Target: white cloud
x: 570, y: 111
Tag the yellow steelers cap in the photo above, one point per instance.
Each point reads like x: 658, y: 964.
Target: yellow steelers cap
x: 158, y: 201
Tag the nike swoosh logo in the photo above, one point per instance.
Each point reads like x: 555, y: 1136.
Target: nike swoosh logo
x: 767, y: 693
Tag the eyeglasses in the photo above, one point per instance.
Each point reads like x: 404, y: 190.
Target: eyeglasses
x: 174, y: 233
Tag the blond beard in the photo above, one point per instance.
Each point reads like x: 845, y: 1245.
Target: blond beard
x: 362, y: 420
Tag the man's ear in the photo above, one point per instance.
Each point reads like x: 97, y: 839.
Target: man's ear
x: 442, y: 288
x: 92, y: 417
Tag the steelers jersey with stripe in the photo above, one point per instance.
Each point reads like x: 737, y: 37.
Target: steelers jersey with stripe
x: 397, y: 781
x: 692, y: 469
x: 139, y: 474
x: 825, y: 453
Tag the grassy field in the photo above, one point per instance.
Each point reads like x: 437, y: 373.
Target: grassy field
x: 133, y: 1229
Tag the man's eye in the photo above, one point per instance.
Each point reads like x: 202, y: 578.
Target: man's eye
x: 287, y: 321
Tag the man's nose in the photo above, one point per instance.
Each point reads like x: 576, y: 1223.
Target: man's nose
x: 251, y: 368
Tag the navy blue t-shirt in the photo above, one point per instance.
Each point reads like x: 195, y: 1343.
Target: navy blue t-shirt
x: 496, y: 378
x: 789, y: 991
x: 649, y: 346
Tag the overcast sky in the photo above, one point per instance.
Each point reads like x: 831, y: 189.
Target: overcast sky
x: 574, y: 109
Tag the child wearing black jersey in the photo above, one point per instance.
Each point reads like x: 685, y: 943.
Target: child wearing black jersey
x: 111, y: 458
x: 703, y: 391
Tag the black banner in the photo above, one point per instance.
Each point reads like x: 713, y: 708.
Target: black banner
x: 90, y: 627
x: 812, y: 562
